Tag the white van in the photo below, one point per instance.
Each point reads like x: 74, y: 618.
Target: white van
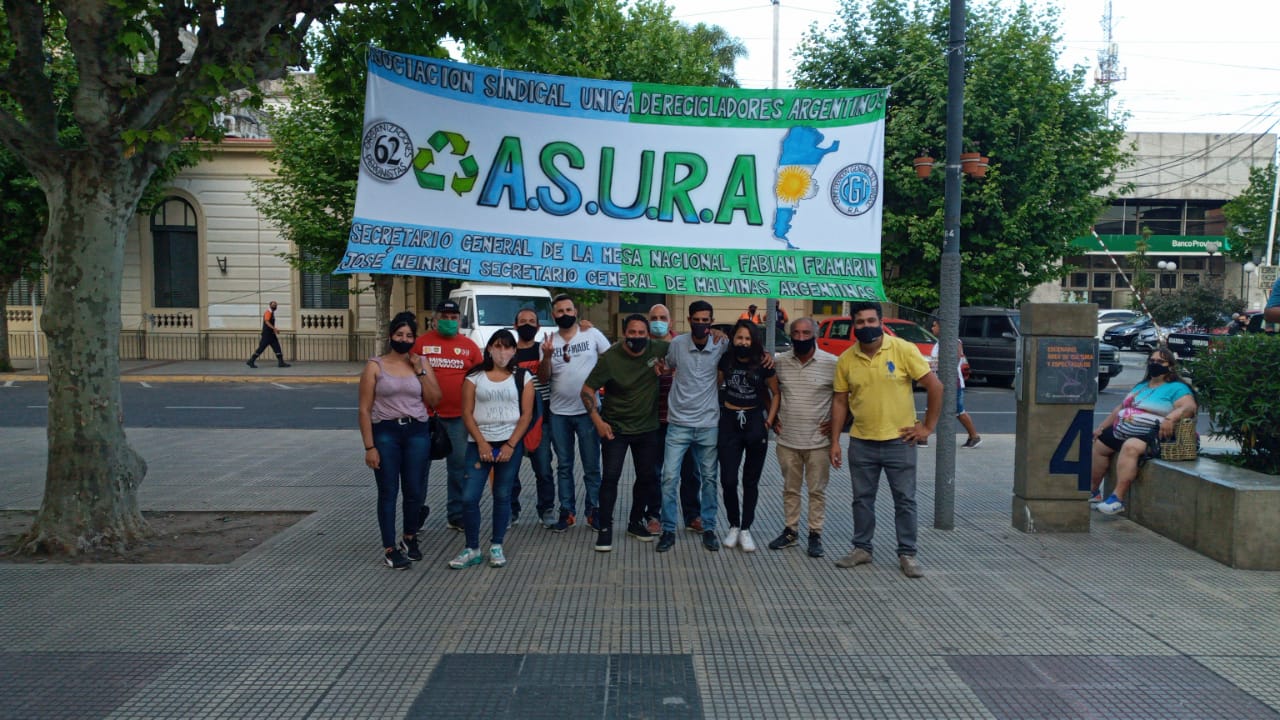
x: 489, y: 307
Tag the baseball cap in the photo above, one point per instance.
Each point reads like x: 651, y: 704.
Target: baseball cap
x: 448, y: 306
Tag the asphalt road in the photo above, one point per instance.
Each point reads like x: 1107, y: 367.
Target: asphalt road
x: 281, y: 405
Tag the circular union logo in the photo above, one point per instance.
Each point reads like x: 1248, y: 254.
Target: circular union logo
x: 386, y: 151
x: 854, y: 189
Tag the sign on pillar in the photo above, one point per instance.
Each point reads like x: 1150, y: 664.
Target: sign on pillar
x: 1056, y: 389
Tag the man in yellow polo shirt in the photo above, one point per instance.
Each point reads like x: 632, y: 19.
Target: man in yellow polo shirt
x: 873, y: 381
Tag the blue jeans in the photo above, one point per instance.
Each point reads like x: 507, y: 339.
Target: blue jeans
x: 403, y: 452
x: 504, y: 474
x: 702, y: 443
x: 540, y: 459
x: 565, y: 430
x: 898, y: 461
x: 690, y: 484
x: 455, y: 467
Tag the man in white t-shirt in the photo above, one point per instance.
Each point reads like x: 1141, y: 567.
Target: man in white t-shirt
x: 568, y: 356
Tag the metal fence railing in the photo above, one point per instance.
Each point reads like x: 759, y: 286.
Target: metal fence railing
x: 217, y: 345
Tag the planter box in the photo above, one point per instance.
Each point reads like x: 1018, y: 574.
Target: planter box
x: 1227, y: 513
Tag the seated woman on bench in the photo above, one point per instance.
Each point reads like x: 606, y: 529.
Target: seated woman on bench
x: 1149, y: 412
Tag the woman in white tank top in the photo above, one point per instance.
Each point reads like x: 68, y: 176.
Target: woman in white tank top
x: 497, y: 416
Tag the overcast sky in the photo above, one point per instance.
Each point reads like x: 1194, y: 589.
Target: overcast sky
x: 1191, y: 67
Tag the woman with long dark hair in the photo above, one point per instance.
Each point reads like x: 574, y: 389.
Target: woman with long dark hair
x: 1148, y: 413
x: 395, y: 390
x: 496, y: 410
x: 748, y: 405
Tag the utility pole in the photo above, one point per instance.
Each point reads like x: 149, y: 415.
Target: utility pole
x: 771, y: 304
x: 944, y: 482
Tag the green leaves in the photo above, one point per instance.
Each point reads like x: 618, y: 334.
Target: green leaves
x: 1238, y: 383
x: 1051, y: 145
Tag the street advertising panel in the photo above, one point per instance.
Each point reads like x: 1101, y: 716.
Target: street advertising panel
x: 477, y: 173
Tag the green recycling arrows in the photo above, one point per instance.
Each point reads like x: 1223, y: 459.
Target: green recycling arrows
x: 458, y: 145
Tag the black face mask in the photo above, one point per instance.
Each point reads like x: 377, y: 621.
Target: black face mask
x: 868, y: 335
x: 566, y: 321
x: 1156, y: 370
x: 526, y: 332
x: 699, y: 329
x: 637, y: 345
x: 401, y: 346
x: 742, y: 351
x: 803, y: 347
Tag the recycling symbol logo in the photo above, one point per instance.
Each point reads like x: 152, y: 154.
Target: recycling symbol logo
x: 468, y: 169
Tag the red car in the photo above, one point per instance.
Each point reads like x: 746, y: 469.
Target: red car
x: 835, y: 335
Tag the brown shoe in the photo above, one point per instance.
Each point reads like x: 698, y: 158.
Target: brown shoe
x: 910, y: 566
x: 855, y: 557
x: 695, y: 526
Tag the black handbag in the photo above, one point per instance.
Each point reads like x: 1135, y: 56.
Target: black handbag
x: 441, y: 446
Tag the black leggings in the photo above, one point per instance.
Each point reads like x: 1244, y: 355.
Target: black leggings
x: 742, y: 432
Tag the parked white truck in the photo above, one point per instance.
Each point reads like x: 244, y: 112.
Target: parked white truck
x: 489, y: 307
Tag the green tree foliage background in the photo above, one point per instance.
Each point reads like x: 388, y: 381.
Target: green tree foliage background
x: 1053, y: 149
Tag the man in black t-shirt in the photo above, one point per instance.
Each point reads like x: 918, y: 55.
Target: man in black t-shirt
x: 629, y: 421
x: 529, y: 356
x: 269, y: 338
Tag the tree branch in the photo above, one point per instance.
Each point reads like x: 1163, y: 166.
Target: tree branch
x: 25, y: 80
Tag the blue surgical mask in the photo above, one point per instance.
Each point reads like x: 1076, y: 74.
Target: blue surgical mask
x: 659, y: 328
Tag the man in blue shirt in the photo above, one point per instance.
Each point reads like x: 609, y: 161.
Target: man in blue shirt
x: 1272, y: 313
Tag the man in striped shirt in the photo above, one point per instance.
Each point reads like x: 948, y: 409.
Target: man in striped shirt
x: 805, y: 381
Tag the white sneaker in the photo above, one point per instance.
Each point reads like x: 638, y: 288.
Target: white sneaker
x: 1111, y: 506
x: 745, y: 539
x: 731, y: 540
x: 466, y: 559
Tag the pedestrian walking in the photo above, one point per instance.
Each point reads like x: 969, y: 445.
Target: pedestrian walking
x: 270, y: 338
x: 749, y: 406
x: 395, y: 390
x: 873, y: 381
x: 974, y: 439
x: 496, y: 409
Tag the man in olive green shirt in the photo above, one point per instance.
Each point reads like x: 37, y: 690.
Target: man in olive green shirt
x: 628, y: 374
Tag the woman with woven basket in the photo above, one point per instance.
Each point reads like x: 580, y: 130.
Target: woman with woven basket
x: 1148, y: 414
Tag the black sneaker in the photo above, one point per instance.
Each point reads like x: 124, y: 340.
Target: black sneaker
x: 666, y: 542
x: 423, y: 514
x: 815, y: 545
x: 410, y: 548
x: 639, y: 531
x: 710, y: 541
x: 785, y: 540
x: 564, y: 523
x: 251, y: 364
x: 604, y: 540
x: 455, y: 524
x: 283, y: 364
x: 396, y: 560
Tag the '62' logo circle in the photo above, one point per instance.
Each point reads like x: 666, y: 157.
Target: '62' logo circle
x: 386, y: 151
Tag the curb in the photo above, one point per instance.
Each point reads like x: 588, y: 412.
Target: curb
x: 297, y: 380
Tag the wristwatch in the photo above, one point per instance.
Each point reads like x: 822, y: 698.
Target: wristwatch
x: 421, y: 373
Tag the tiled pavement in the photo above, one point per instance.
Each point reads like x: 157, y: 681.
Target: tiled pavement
x: 1118, y: 623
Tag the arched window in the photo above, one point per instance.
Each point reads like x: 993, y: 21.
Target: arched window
x: 176, y: 254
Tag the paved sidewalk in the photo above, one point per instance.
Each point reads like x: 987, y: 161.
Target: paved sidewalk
x: 189, y: 371
x: 1117, y: 623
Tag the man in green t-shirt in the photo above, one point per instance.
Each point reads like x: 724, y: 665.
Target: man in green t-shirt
x: 628, y: 374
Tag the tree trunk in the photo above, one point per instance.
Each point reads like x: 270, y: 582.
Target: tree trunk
x: 382, y: 309
x: 90, y: 494
x: 6, y: 362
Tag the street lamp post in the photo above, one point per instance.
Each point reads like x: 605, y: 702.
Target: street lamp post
x: 1165, y: 266
x: 1211, y: 247
x: 1246, y: 279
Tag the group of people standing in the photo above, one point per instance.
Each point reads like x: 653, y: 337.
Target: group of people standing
x: 693, y: 410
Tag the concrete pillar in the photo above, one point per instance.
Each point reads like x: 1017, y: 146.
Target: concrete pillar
x: 1057, y: 387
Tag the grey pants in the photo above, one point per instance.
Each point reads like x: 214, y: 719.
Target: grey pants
x: 897, y: 459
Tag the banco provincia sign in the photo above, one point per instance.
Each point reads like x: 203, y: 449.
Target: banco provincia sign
x: 479, y: 173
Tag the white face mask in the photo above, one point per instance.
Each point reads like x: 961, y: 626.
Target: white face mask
x: 502, y: 357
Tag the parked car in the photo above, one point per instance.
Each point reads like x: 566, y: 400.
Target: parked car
x: 1108, y: 319
x: 1192, y: 341
x: 835, y: 335
x: 1149, y: 339
x: 1122, y: 336
x: 781, y: 341
x: 990, y: 336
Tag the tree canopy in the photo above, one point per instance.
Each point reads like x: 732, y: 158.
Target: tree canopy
x: 1248, y: 215
x: 1052, y: 148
